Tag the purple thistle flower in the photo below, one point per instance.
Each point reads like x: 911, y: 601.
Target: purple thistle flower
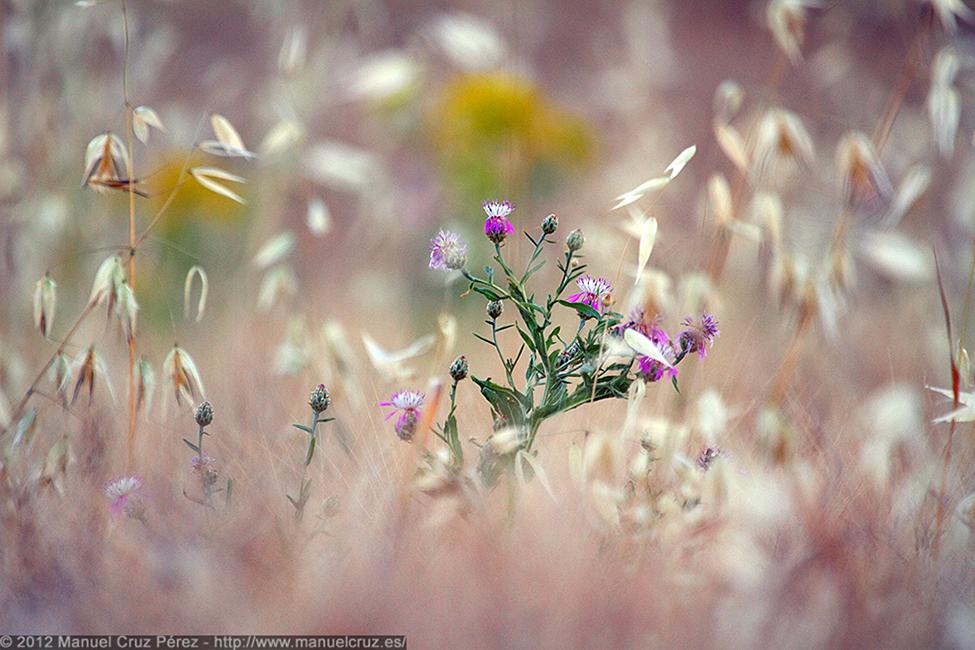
x: 653, y: 370
x: 125, y: 493
x: 698, y: 336
x: 496, y: 226
x: 650, y: 328
x: 595, y: 292
x: 204, y: 464
x: 448, y: 252
x: 407, y: 403
x: 205, y: 468
x: 708, y: 456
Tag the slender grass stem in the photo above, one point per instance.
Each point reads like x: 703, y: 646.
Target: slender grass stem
x: 18, y: 410
x: 132, y: 239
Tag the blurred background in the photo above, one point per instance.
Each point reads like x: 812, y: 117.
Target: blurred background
x: 388, y: 122
x: 376, y: 124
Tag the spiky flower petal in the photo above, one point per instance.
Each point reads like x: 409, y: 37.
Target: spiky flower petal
x: 126, y: 496
x: 698, y: 336
x: 596, y: 292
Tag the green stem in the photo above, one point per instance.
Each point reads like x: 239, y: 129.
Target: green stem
x: 473, y: 279
x: 563, y: 283
x: 534, y: 256
x: 500, y: 260
x: 301, y: 499
x: 203, y: 466
x: 453, y: 435
x: 504, y: 362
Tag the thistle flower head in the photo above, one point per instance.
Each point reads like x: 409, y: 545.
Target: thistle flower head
x: 575, y: 240
x: 550, y: 224
x: 567, y: 355
x: 459, y: 368
x: 496, y: 226
x: 126, y: 496
x: 652, y: 369
x: 494, y: 309
x: 320, y: 399
x: 448, y: 252
x: 204, y: 414
x: 407, y: 404
x: 649, y: 327
x: 206, y: 468
x: 595, y: 292
x: 698, y: 336
x: 707, y: 456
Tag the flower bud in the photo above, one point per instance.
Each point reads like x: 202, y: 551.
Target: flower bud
x: 494, y: 309
x: 406, y: 425
x: 550, y: 224
x: 459, y: 368
x: 204, y: 414
x: 575, y: 240
x: 320, y: 399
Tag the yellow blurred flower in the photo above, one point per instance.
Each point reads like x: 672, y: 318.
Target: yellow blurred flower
x: 494, y: 127
x: 193, y: 202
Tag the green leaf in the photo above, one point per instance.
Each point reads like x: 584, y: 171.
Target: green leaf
x: 230, y: 490
x: 504, y: 401
x: 311, y: 451
x: 450, y: 427
x: 486, y: 340
x: 324, y: 420
x: 533, y: 270
x: 523, y: 458
x: 584, y: 310
x: 527, y: 339
x: 305, y: 492
x: 554, y: 334
x: 302, y: 427
x: 487, y: 292
x: 674, y: 381
x: 191, y: 445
